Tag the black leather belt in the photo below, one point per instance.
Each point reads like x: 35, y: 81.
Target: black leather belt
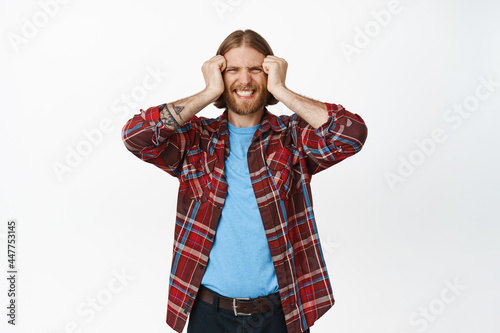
x: 241, y: 306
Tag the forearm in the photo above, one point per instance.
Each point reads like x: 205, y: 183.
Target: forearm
x: 174, y: 115
x: 145, y: 136
x: 312, y: 111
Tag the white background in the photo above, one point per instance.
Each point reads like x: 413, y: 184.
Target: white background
x: 392, y: 249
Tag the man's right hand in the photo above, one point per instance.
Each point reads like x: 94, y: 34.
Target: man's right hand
x: 174, y: 115
x: 212, y: 73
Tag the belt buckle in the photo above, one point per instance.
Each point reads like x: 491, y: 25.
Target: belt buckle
x: 235, y: 310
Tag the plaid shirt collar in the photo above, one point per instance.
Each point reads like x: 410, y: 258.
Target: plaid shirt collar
x: 269, y: 120
x: 219, y: 125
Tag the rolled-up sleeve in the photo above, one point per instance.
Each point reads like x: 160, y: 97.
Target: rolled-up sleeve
x: 341, y: 136
x: 145, y: 136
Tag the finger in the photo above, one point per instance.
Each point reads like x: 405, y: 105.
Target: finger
x: 218, y: 59
x: 275, y: 59
x: 222, y: 65
x: 269, y: 60
x: 265, y: 67
x: 266, y: 64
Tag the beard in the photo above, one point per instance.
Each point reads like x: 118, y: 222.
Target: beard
x: 246, y: 107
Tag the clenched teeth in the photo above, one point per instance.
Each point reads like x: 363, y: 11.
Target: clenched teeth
x: 244, y: 93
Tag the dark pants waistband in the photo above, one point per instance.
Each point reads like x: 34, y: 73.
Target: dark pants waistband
x: 241, y: 306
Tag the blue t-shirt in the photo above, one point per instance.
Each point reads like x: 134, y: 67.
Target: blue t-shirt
x: 240, y: 262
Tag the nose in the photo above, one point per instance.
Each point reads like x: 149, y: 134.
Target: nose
x: 244, y: 77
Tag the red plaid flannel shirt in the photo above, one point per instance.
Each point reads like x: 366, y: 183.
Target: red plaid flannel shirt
x: 285, y: 152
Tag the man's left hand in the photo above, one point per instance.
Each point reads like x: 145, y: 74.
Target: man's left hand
x: 275, y: 68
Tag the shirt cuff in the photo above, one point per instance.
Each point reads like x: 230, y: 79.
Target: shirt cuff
x: 330, y: 125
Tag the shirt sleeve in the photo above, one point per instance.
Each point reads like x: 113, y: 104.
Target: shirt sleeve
x: 341, y: 136
x: 145, y: 136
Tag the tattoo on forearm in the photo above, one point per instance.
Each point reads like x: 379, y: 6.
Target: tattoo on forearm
x: 178, y: 110
x: 167, y: 119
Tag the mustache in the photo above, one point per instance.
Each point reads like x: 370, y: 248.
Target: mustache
x: 240, y: 87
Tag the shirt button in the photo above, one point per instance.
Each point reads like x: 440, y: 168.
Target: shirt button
x: 218, y: 206
x: 210, y: 236
x: 201, y: 266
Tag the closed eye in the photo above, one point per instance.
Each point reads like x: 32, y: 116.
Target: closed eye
x: 253, y: 70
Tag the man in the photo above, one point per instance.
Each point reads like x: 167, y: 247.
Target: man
x: 245, y: 226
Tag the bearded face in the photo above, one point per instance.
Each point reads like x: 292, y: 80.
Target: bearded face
x: 245, y: 83
x: 244, y: 100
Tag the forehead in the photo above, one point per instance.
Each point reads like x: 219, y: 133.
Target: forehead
x: 243, y: 56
